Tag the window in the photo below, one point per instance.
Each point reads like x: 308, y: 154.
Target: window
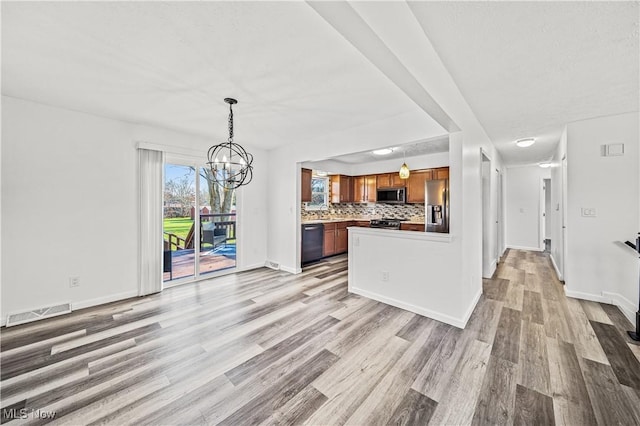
x: 319, y: 193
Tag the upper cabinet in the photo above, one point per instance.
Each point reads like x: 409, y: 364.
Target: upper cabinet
x: 364, y: 189
x: 341, y: 189
x: 305, y: 185
x: 415, y: 185
x: 441, y: 173
x: 390, y: 180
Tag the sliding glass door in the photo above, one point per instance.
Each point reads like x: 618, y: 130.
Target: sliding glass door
x: 199, y: 226
x: 218, y: 223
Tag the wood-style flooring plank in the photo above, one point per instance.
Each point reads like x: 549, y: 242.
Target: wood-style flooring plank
x: 348, y: 383
x: 390, y: 392
x: 624, y: 363
x: 611, y: 404
x: 459, y: 401
x: 497, y: 397
x: 594, y: 312
x: 273, y: 398
x: 506, y: 344
x: 533, y: 408
x: 532, y: 307
x: 415, y: 409
x: 620, y: 321
x: 571, y: 402
x: 533, y: 366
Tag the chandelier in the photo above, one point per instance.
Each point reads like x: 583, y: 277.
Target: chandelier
x: 230, y: 163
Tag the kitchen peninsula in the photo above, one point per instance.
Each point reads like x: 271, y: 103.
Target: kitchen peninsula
x: 408, y: 270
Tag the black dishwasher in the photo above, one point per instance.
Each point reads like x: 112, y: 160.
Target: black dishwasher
x: 312, y: 240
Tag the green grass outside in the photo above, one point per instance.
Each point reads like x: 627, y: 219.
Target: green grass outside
x: 178, y: 225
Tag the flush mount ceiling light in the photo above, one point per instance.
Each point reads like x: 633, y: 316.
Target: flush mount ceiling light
x: 545, y: 165
x: 230, y: 163
x: 523, y: 143
x: 383, y: 151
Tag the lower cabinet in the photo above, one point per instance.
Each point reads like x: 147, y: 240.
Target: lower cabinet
x: 329, y: 247
x: 412, y: 227
x: 336, y: 238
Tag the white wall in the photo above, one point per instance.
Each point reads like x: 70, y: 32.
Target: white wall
x: 428, y: 161
x: 422, y: 273
x: 69, y: 206
x: 547, y: 208
x: 557, y: 206
x: 597, y: 267
x: 523, y: 195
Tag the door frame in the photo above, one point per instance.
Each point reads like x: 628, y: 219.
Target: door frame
x: 197, y: 163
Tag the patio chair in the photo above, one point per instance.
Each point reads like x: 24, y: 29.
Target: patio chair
x: 213, y: 235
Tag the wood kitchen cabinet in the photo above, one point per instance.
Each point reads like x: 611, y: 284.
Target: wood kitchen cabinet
x: 441, y: 173
x: 412, y: 227
x: 336, y: 238
x: 341, y: 189
x: 342, y: 237
x: 364, y: 189
x: 362, y: 223
x: 415, y: 185
x: 329, y: 244
x: 305, y: 185
x: 390, y: 180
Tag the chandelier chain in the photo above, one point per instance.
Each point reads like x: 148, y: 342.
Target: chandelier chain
x: 230, y: 123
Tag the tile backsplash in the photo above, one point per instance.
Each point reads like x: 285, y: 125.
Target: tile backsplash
x: 368, y: 210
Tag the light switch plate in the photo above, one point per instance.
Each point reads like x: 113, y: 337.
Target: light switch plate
x: 588, y: 212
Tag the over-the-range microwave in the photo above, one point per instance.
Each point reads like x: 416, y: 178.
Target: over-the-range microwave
x: 391, y: 195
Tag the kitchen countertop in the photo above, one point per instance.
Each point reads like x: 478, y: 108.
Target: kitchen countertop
x: 356, y: 219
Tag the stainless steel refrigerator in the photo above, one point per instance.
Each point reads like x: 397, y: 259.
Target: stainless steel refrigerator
x: 436, y: 215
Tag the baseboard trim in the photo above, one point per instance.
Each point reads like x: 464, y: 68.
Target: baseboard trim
x: 438, y: 316
x: 626, y: 306
x: 250, y: 267
x: 102, y: 300
x: 290, y: 269
x: 555, y: 266
x: 525, y: 248
x: 492, y: 269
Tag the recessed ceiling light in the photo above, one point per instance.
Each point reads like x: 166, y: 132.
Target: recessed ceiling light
x: 383, y: 151
x: 545, y: 165
x: 523, y: 143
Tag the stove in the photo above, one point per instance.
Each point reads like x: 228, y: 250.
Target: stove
x: 386, y: 223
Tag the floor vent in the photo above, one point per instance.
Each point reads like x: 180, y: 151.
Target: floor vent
x: 273, y: 265
x: 38, y: 314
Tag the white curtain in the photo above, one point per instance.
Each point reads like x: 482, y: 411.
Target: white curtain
x: 150, y: 221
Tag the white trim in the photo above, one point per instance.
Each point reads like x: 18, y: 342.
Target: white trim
x: 525, y: 248
x: 555, y: 266
x: 472, y: 307
x: 290, y: 269
x: 251, y: 267
x: 438, y: 316
x: 586, y: 296
x: 405, y: 235
x: 102, y: 300
x: 492, y: 268
x: 626, y: 306
x: 173, y: 150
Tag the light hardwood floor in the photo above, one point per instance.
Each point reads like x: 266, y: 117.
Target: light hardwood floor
x: 266, y: 347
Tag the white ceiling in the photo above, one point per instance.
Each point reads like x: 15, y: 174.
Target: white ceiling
x: 411, y: 150
x: 525, y: 68
x: 528, y: 68
x: 171, y: 64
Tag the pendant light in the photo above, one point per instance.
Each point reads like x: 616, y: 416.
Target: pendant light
x: 231, y: 165
x: 404, y: 170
